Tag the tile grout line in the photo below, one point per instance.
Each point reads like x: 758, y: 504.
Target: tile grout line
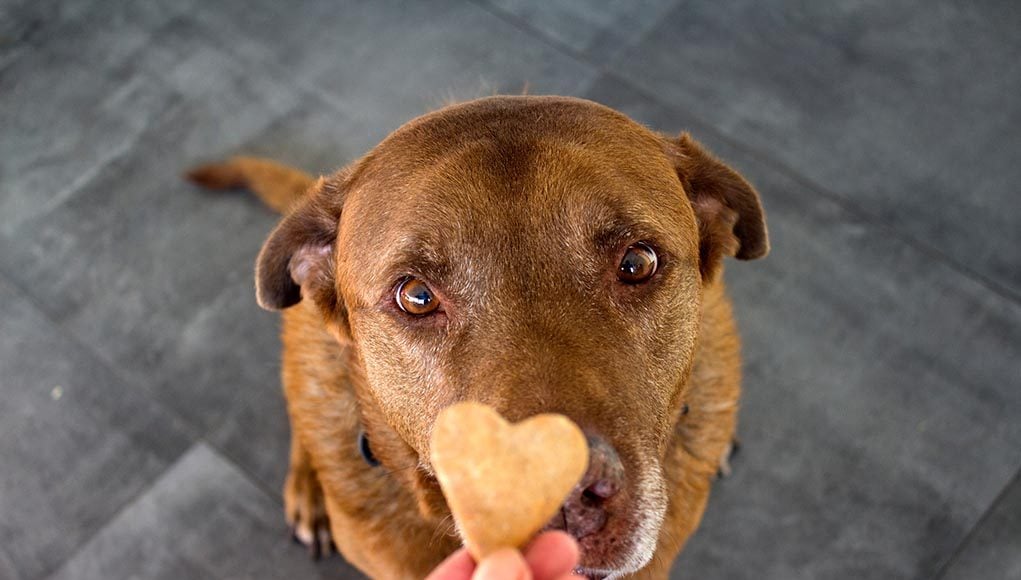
x: 966, y: 541
x: 526, y: 27
x: 769, y: 161
x: 133, y: 501
x: 193, y: 433
x: 73, y: 338
x: 189, y: 429
x: 215, y: 449
x: 120, y: 510
x: 278, y: 76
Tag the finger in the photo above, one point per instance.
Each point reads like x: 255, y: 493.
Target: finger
x: 457, y: 566
x: 504, y: 564
x: 552, y: 555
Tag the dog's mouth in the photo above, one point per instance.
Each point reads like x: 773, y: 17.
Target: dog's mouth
x: 604, y: 553
x: 617, y: 537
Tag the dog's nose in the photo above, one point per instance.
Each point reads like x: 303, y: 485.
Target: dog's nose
x: 585, y: 510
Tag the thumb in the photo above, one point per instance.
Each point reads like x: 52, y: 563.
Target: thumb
x: 505, y: 564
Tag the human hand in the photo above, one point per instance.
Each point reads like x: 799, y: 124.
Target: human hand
x: 550, y: 556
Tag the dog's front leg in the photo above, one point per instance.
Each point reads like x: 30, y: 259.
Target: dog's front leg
x: 304, y: 506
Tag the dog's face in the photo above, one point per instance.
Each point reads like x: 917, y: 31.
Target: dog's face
x: 534, y: 254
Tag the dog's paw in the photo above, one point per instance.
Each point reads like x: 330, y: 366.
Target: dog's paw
x: 729, y: 453
x: 305, y: 511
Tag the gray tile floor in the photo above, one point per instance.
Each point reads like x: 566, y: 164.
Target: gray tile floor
x: 142, y: 431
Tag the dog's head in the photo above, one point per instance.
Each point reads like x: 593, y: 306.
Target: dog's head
x: 538, y: 254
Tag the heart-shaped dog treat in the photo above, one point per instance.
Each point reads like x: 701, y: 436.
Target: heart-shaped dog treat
x: 503, y: 482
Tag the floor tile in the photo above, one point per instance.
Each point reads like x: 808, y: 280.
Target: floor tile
x: 24, y: 22
x: 61, y: 123
x: 873, y: 373
x: 186, y: 325
x: 599, y: 31
x: 151, y: 272
x: 906, y: 108
x: 135, y: 249
x: 224, y: 374
x: 105, y: 75
x: 157, y: 277
x: 387, y: 62
x: 76, y: 442
x: 315, y: 136
x: 202, y: 519
x: 994, y: 549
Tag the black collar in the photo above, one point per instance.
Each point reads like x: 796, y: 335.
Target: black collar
x: 365, y: 449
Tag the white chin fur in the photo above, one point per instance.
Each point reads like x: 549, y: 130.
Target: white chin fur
x: 652, y: 504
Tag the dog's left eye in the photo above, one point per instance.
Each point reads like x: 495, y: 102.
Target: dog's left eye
x: 415, y: 297
x: 638, y: 264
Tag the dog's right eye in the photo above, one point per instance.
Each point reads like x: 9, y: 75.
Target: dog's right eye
x: 638, y: 264
x: 415, y: 297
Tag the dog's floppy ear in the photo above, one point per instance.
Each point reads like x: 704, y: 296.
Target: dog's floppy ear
x: 730, y: 217
x: 297, y: 261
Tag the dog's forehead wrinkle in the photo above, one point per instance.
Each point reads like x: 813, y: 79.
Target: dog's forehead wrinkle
x: 456, y: 147
x: 479, y: 229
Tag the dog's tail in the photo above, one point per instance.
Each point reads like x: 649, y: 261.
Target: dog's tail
x: 277, y: 185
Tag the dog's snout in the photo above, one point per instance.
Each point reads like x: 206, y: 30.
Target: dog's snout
x: 605, y: 473
x: 586, y: 509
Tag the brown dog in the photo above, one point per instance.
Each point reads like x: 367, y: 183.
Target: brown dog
x: 538, y: 254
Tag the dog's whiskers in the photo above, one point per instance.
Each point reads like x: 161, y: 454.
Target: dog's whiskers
x: 445, y: 527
